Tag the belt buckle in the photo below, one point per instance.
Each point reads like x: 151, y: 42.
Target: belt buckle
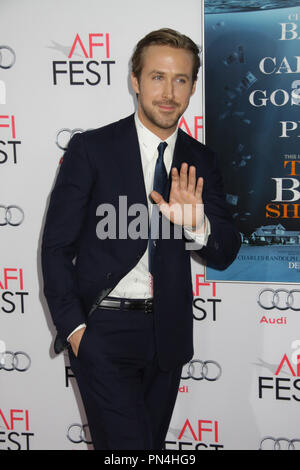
x: 148, y: 305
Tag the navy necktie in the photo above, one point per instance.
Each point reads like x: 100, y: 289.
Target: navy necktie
x: 159, y: 185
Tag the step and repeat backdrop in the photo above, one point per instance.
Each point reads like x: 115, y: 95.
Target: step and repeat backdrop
x: 64, y: 68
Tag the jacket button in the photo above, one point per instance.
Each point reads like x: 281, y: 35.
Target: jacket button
x: 108, y: 275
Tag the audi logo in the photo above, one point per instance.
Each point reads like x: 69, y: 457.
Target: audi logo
x: 11, y: 215
x: 7, y: 57
x: 77, y: 433
x: 281, y: 443
x: 64, y: 136
x: 199, y: 370
x: 282, y: 299
x: 19, y: 361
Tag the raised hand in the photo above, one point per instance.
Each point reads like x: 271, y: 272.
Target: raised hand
x: 185, y: 205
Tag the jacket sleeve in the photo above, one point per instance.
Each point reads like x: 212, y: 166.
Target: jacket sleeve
x: 64, y: 222
x: 224, y: 241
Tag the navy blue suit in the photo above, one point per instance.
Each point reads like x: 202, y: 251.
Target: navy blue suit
x: 98, y: 167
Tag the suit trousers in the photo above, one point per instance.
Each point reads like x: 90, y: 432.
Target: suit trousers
x: 128, y: 399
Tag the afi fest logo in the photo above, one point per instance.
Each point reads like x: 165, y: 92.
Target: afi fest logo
x: 95, y: 64
x: 12, y: 293
x: 284, y: 381
x: 8, y: 139
x: 195, y: 434
x: 205, y: 299
x: 192, y: 128
x: 15, y: 429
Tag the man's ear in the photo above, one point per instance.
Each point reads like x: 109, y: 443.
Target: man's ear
x: 135, y: 83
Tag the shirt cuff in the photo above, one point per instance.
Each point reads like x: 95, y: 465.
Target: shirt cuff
x: 199, y: 235
x: 82, y: 325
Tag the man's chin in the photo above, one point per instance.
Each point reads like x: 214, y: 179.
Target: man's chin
x: 162, y: 120
x: 166, y: 122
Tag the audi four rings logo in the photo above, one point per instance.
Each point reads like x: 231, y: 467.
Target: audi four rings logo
x: 281, y: 443
x: 11, y: 215
x: 281, y: 299
x: 19, y: 361
x: 64, y: 136
x: 7, y: 57
x: 199, y: 370
x: 77, y: 433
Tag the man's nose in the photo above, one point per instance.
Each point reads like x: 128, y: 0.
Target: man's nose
x: 168, y: 90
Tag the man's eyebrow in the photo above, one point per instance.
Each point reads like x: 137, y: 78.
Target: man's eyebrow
x: 163, y: 73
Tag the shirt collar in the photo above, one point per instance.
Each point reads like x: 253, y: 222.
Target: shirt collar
x: 151, y: 141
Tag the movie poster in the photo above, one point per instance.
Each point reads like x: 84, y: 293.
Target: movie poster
x: 252, y: 122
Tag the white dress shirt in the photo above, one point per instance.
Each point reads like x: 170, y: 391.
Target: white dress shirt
x: 137, y: 283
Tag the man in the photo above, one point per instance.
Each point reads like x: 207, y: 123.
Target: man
x: 128, y: 347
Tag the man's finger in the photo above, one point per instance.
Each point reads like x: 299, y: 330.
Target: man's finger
x: 183, y: 176
x: 199, y: 189
x: 157, y: 198
x: 191, y: 179
x: 175, y: 178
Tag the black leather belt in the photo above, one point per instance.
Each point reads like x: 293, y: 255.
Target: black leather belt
x: 127, y: 304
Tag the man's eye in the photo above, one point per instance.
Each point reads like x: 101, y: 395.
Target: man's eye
x: 181, y: 80
x: 157, y: 77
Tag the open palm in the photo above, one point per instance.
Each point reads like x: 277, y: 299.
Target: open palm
x: 185, y: 205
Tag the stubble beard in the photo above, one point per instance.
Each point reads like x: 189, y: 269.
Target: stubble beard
x: 167, y: 121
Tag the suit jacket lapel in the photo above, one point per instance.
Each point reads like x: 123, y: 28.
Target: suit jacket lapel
x: 129, y: 160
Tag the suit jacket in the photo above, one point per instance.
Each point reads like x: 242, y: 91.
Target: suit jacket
x: 99, y: 166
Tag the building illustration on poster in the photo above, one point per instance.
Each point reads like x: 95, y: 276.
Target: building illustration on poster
x: 252, y: 123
